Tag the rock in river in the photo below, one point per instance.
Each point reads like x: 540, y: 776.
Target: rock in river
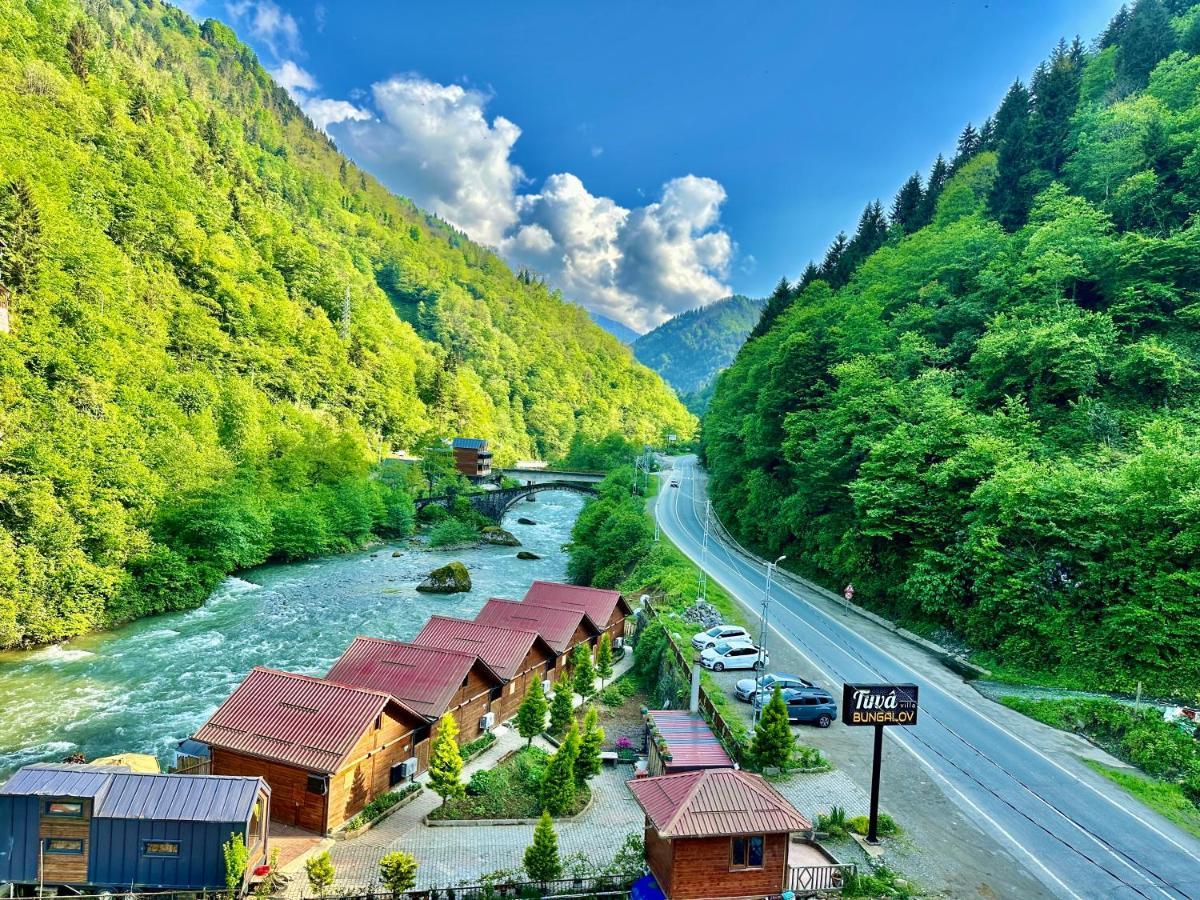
x: 452, y: 578
x: 525, y: 554
x: 496, y: 535
x: 525, y: 521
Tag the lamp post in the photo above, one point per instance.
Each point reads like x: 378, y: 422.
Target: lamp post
x: 762, y: 634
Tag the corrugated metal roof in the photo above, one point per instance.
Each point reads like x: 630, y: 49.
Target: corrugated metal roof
x: 121, y: 794
x: 424, y: 678
x: 714, y: 803
x: 689, y: 739
x: 503, y: 649
x: 555, y: 624
x: 307, y: 722
x: 598, y: 604
x: 460, y: 443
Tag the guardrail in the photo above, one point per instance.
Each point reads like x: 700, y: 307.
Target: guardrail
x: 820, y: 879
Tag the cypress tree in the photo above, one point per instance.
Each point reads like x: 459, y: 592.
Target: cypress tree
x: 773, y: 743
x: 1148, y: 38
x: 604, y: 659
x: 583, y: 672
x: 561, y: 706
x: 587, y: 763
x: 541, y: 857
x: 906, y: 208
x: 531, y: 716
x: 398, y: 871
x: 445, y: 761
x: 558, y: 781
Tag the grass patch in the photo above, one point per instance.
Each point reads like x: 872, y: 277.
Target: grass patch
x: 512, y: 790
x: 380, y: 805
x: 478, y: 745
x: 1164, y: 797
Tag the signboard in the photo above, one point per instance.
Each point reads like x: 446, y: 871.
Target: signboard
x: 879, y: 704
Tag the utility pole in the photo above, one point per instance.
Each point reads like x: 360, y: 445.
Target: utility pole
x: 702, y: 590
x: 762, y: 636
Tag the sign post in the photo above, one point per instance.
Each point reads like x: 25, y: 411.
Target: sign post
x: 879, y: 705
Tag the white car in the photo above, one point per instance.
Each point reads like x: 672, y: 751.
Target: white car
x: 705, y: 639
x: 734, y: 656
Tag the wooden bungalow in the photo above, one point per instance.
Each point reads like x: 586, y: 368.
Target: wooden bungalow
x: 107, y: 828
x: 605, y: 610
x: 518, y: 656
x: 429, y: 680
x: 563, y: 628
x: 716, y: 834
x: 326, y: 749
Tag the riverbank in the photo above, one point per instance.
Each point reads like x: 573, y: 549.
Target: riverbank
x: 145, y: 685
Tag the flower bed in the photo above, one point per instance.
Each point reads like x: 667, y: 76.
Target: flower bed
x: 511, y: 790
x: 473, y: 748
x: 380, y: 807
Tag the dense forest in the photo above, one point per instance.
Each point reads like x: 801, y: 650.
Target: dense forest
x: 218, y: 324
x: 689, y: 349
x: 982, y: 408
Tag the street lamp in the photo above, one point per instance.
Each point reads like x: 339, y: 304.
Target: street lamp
x: 762, y: 635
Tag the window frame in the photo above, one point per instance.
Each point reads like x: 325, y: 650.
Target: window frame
x: 747, y: 840
x: 50, y: 851
x: 159, y: 854
x: 49, y: 812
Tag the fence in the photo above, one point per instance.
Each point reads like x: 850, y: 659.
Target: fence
x: 814, y: 879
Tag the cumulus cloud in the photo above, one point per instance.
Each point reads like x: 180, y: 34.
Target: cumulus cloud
x: 322, y: 110
x: 292, y: 78
x: 277, y: 30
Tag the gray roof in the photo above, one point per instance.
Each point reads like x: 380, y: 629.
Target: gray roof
x: 469, y: 443
x: 122, y: 794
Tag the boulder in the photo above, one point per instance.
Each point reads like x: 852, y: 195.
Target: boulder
x: 525, y: 554
x: 396, y: 553
x: 525, y: 521
x: 451, y: 578
x: 493, y: 535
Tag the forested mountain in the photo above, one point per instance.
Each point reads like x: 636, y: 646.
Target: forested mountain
x: 619, y: 330
x: 219, y: 323
x: 984, y: 408
x: 691, y: 348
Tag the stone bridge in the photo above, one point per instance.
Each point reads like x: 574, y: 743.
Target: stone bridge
x: 494, y: 504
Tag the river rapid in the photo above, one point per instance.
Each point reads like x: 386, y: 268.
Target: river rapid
x: 143, y: 687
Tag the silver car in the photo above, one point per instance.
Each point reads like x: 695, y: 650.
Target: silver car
x: 746, y: 688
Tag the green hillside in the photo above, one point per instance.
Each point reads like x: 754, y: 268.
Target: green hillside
x: 984, y: 409
x: 689, y: 349
x: 219, y: 323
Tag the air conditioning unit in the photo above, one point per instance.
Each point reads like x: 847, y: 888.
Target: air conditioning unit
x: 488, y: 720
x: 408, y: 768
x: 618, y: 643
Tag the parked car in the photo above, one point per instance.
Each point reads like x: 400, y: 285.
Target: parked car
x: 745, y: 689
x: 806, y: 705
x: 702, y: 640
x: 736, y: 655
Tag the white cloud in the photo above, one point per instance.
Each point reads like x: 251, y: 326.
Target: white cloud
x: 292, y: 78
x: 267, y: 23
x: 322, y: 110
x: 432, y: 142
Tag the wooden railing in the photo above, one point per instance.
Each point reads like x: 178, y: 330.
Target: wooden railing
x: 819, y: 879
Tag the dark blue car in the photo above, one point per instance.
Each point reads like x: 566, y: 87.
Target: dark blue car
x: 808, y: 705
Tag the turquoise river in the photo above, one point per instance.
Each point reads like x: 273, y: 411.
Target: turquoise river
x: 143, y: 687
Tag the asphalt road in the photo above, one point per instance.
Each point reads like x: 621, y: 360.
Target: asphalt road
x: 1076, y: 836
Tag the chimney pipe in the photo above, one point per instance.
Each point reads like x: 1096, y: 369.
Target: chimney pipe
x: 694, y: 702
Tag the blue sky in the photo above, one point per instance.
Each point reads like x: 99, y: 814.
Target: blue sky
x: 650, y: 157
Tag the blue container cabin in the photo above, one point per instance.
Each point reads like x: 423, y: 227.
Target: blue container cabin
x: 108, y: 827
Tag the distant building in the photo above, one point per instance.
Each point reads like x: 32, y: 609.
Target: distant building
x: 716, y: 834
x: 107, y: 828
x: 472, y: 457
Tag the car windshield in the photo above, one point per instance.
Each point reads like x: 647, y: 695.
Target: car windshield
x: 722, y: 649
x: 767, y: 680
x: 714, y: 631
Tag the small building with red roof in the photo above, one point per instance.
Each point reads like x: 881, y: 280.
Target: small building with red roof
x: 429, y: 680
x: 517, y: 656
x: 563, y: 628
x: 606, y: 610
x: 326, y: 749
x: 716, y: 834
x: 681, y: 741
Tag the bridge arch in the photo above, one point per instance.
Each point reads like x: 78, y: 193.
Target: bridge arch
x: 494, y: 504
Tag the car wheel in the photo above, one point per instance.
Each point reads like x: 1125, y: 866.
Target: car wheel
x: 824, y: 721
x: 718, y: 667
x: 758, y: 666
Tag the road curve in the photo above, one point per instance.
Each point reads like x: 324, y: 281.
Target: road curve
x: 1073, y: 836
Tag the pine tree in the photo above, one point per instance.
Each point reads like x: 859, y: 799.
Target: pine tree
x: 79, y: 42
x: 1054, y: 95
x: 604, y: 659
x: 1147, y: 39
x: 870, y: 235
x: 779, y: 300
x: 398, y: 871
x: 939, y: 174
x: 558, y: 781
x: 591, y: 741
x: 562, y: 705
x: 810, y: 274
x: 320, y: 872
x: 531, y: 716
x: 584, y: 673
x: 906, y: 208
x: 773, y: 741
x: 20, y: 236
x: 541, y: 857
x: 831, y: 266
x: 445, y: 761
x: 1116, y: 28
x: 968, y: 146
x: 987, y: 134
x: 1012, y: 191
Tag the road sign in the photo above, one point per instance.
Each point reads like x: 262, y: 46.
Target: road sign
x: 880, y: 705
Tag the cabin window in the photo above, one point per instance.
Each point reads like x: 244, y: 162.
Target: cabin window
x: 378, y: 722
x: 512, y: 688
x: 160, y: 848
x: 421, y: 734
x: 66, y: 809
x: 496, y: 693
x: 64, y: 846
x: 255, y: 829
x: 316, y: 784
x: 746, y: 852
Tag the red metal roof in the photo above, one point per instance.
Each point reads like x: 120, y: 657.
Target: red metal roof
x: 689, y: 739
x: 503, y: 649
x: 555, y: 624
x: 714, y: 803
x: 307, y: 722
x: 598, y: 604
x: 424, y: 678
